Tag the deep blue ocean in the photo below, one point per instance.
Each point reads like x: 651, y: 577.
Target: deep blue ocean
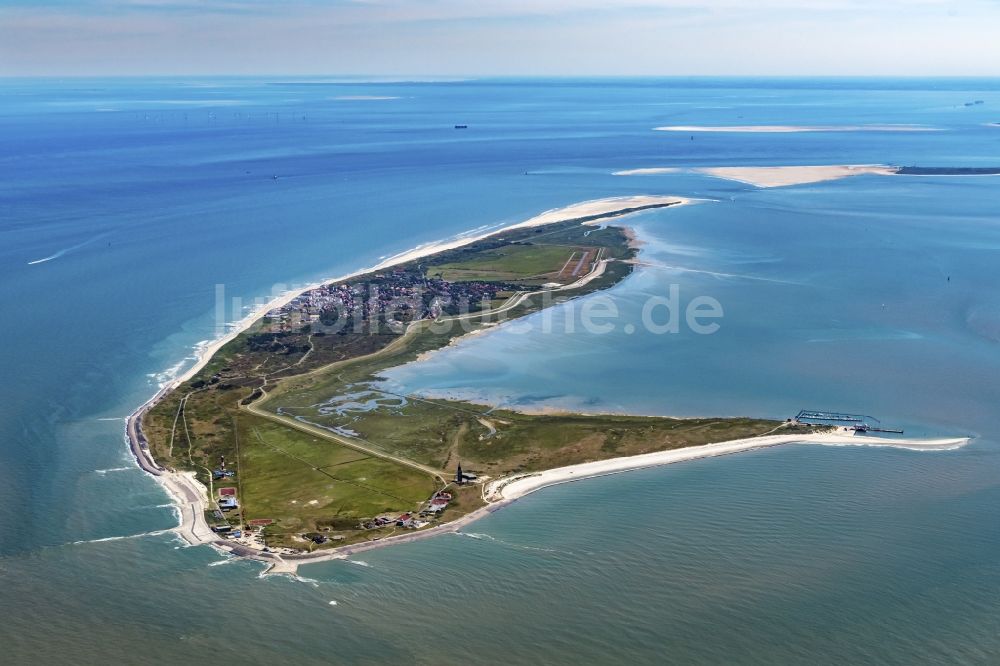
x: 127, y: 204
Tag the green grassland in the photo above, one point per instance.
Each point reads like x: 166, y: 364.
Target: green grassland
x: 306, y: 483
x: 308, y: 477
x: 523, y: 264
x: 531, y: 257
x: 442, y: 433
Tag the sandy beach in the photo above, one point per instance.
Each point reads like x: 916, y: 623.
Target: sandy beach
x: 514, y: 487
x: 775, y: 176
x: 781, y: 176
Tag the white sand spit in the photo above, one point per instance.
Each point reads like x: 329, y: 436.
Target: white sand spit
x: 511, y: 488
x: 781, y: 176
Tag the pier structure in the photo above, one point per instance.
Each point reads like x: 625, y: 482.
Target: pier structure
x: 858, y: 422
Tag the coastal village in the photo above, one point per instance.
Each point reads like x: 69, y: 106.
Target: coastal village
x: 392, y: 298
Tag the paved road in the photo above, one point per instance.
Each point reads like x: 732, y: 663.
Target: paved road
x: 358, y: 445
x: 137, y: 440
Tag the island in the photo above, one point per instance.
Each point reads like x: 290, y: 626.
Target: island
x: 782, y: 176
x: 284, y: 444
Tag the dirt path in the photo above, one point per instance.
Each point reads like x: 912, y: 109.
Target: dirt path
x: 356, y: 444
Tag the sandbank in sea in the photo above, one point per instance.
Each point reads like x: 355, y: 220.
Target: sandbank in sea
x: 783, y: 176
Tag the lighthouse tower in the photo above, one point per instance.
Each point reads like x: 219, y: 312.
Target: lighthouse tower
x: 459, y: 477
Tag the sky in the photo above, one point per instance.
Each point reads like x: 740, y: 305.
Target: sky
x: 497, y: 37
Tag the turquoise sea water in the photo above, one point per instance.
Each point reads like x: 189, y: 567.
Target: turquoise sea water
x: 141, y: 196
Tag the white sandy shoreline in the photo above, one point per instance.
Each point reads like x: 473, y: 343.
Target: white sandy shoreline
x: 514, y: 487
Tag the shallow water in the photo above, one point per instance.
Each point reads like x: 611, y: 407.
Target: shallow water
x: 831, y: 300
x: 141, y: 196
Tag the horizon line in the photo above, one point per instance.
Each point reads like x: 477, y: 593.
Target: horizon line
x: 459, y: 78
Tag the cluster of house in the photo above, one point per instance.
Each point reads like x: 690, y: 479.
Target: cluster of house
x: 435, y: 505
x: 226, y: 502
x: 405, y: 520
x: 401, y: 294
x: 227, y: 496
